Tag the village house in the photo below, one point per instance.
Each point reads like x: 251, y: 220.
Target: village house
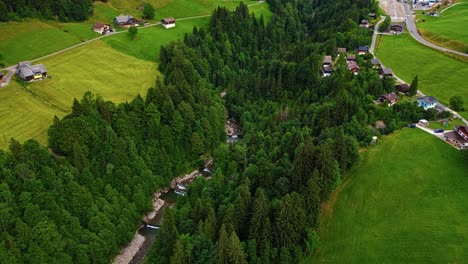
x: 353, y: 67
x: 102, y: 28
x: 168, y: 22
x: 423, y: 123
x: 351, y: 57
x: 376, y: 64
x: 386, y: 72
x: 402, y: 88
x: 458, y: 137
x: 125, y: 21
x: 363, y: 50
x: 397, y: 28
x: 341, y: 50
x: 427, y: 102
x: 372, y: 15
x: 390, y: 98
x: 29, y: 72
x: 327, y: 71
x: 364, y: 23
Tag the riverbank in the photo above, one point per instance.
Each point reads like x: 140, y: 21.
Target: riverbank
x: 128, y: 253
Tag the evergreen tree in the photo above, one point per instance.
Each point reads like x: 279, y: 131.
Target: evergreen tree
x: 414, y: 86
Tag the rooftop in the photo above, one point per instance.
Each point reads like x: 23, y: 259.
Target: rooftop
x: 123, y: 18
x: 327, y: 60
x: 428, y: 99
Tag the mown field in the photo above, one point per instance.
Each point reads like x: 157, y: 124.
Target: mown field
x: 439, y: 75
x: 448, y: 30
x: 96, y: 67
x: 404, y: 203
x: 33, y: 38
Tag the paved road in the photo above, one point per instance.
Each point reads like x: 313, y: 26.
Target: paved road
x: 374, y: 37
x: 13, y: 67
x: 372, y: 50
x: 411, y: 25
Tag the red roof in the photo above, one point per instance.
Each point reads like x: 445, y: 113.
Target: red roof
x: 462, y: 131
x: 169, y: 20
x: 98, y: 25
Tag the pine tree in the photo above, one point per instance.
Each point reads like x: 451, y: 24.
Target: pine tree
x: 221, y: 255
x: 414, y: 86
x: 236, y: 253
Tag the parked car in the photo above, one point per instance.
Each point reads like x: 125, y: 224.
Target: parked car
x: 412, y: 125
x: 438, y: 130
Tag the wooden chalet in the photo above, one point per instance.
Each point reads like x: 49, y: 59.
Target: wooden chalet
x: 29, y: 72
x: 327, y: 71
x: 386, y: 72
x: 363, y: 50
x: 168, y: 22
x: 351, y: 57
x: 396, y: 28
x: 125, y: 21
x: 364, y: 23
x: 390, y: 98
x: 102, y: 28
x: 341, y: 50
x: 327, y: 61
x: 376, y: 64
x: 353, y: 67
x: 458, y: 137
x: 402, y: 88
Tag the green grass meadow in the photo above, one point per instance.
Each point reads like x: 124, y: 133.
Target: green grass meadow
x: 449, y: 30
x: 149, y: 40
x: 404, y: 203
x: 439, y: 75
x: 96, y: 67
x: 34, y: 38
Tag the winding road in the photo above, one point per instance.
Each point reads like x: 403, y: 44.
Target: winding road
x: 372, y: 50
x: 411, y: 25
x: 13, y: 67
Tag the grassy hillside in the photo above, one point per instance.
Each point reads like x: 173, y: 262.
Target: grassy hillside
x: 404, y: 203
x: 33, y: 38
x: 28, y: 112
x: 449, y: 29
x: 439, y: 74
x: 149, y: 41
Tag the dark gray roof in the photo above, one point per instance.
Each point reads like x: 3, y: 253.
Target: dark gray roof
x: 24, y: 64
x: 387, y: 71
x: 26, y: 71
x: 363, y: 48
x: 375, y: 62
x: 123, y: 18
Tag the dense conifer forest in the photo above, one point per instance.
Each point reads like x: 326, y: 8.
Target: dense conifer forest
x: 80, y: 200
x: 64, y: 10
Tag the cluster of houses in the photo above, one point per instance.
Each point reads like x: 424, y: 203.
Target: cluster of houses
x: 126, y: 21
x: 327, y: 63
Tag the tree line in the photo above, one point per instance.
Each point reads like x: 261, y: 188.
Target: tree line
x: 301, y: 132
x: 63, y: 10
x: 82, y: 199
